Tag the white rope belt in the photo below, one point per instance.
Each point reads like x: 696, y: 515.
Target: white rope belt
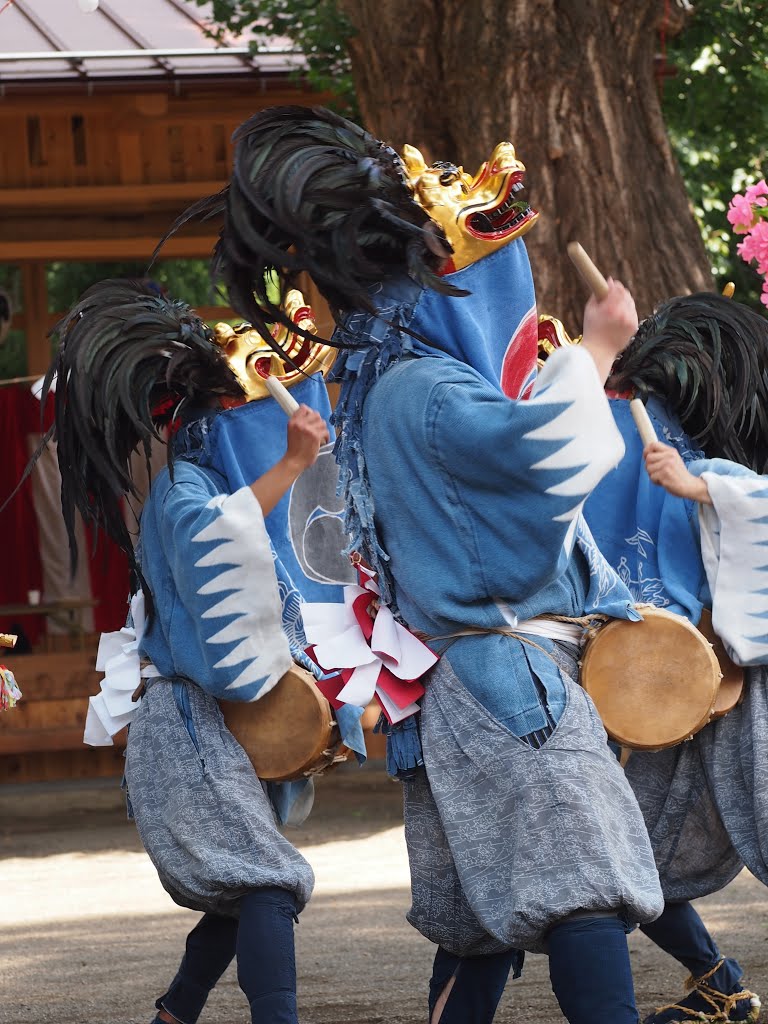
x: 540, y: 625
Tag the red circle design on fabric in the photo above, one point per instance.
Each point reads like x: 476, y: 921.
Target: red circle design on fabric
x: 518, y: 368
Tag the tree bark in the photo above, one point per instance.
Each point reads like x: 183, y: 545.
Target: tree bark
x: 571, y: 83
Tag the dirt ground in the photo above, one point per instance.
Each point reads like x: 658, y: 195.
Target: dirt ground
x: 87, y: 935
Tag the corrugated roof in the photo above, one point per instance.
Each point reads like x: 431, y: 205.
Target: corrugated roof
x: 54, y: 40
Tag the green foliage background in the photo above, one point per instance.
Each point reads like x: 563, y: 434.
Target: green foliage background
x: 317, y: 28
x: 716, y: 109
x: 184, y: 279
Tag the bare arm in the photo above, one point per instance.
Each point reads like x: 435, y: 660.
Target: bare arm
x: 666, y: 468
x: 307, y: 432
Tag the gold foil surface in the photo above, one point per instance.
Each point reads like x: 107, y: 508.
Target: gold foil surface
x: 244, y: 348
x: 478, y: 215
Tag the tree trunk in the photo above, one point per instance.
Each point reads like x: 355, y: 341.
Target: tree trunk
x: 571, y: 83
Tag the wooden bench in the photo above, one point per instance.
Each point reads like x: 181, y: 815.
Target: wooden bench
x: 41, y: 739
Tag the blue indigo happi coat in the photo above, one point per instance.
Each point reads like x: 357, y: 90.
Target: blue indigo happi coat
x: 468, y: 501
x: 676, y: 555
x: 216, y: 566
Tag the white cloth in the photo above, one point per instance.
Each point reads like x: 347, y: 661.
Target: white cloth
x: 113, y: 707
x: 734, y: 548
x: 339, y: 643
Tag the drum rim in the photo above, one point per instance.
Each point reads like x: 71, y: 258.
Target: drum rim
x: 619, y: 625
x: 330, y: 730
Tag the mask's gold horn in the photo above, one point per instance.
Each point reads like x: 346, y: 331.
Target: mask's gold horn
x: 414, y: 162
x: 223, y: 334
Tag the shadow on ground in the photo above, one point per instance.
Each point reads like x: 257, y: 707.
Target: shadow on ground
x: 90, y: 817
x: 358, y: 962
x: 88, y: 936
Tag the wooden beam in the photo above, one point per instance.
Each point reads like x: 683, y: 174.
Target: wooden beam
x: 18, y: 321
x: 59, y: 676
x: 115, y: 196
x: 35, y: 301
x: 239, y: 98
x: 214, y: 313
x: 108, y: 249
x: 37, y: 740
x: 131, y: 164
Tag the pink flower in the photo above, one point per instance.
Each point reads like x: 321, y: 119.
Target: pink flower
x: 741, y: 215
x: 755, y: 246
x: 764, y: 294
x: 756, y: 194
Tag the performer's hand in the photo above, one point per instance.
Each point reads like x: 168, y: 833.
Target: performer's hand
x: 307, y: 433
x: 609, y: 323
x: 666, y: 468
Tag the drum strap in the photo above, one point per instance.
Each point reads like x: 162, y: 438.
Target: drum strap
x: 555, y: 627
x: 562, y: 628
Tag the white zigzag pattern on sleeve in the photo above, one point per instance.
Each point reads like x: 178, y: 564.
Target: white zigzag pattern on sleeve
x: 737, y: 567
x: 592, y: 442
x: 252, y: 599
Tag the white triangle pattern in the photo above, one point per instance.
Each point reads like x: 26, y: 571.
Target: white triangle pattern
x: 592, y: 443
x: 251, y: 599
x: 734, y: 547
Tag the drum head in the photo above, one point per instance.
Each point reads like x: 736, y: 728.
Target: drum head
x: 286, y: 731
x: 653, y: 682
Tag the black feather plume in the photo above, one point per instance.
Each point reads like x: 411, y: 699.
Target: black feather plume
x: 312, y: 192
x: 706, y: 357
x: 127, y: 358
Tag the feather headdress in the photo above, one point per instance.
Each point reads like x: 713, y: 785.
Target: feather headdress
x: 128, y: 358
x: 706, y: 357
x: 311, y: 191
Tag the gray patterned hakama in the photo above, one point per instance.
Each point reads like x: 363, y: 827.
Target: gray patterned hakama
x: 203, y: 815
x: 705, y: 801
x: 505, y: 839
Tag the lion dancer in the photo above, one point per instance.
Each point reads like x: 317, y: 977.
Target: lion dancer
x: 232, y: 539
x: 522, y: 831
x: 698, y: 542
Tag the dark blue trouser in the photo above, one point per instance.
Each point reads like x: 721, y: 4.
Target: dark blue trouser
x: 588, y: 967
x: 262, y: 940
x: 681, y: 933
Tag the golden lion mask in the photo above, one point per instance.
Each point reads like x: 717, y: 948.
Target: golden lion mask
x: 478, y: 215
x: 244, y: 348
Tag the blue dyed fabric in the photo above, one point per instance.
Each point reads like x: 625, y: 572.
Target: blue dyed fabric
x: 705, y: 802
x: 464, y: 497
x: 654, y: 539
x: 493, y: 330
x: 465, y: 476
x: 650, y: 537
x: 218, y: 455
x: 477, y: 502
x: 200, y: 573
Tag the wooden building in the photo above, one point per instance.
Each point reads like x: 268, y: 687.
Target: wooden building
x: 111, y: 124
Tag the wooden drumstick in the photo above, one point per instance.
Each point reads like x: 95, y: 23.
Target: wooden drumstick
x: 592, y: 276
x: 642, y: 422
x: 275, y: 387
x: 599, y: 287
x: 281, y: 395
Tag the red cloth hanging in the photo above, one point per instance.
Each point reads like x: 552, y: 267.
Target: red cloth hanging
x: 110, y: 582
x: 21, y: 568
